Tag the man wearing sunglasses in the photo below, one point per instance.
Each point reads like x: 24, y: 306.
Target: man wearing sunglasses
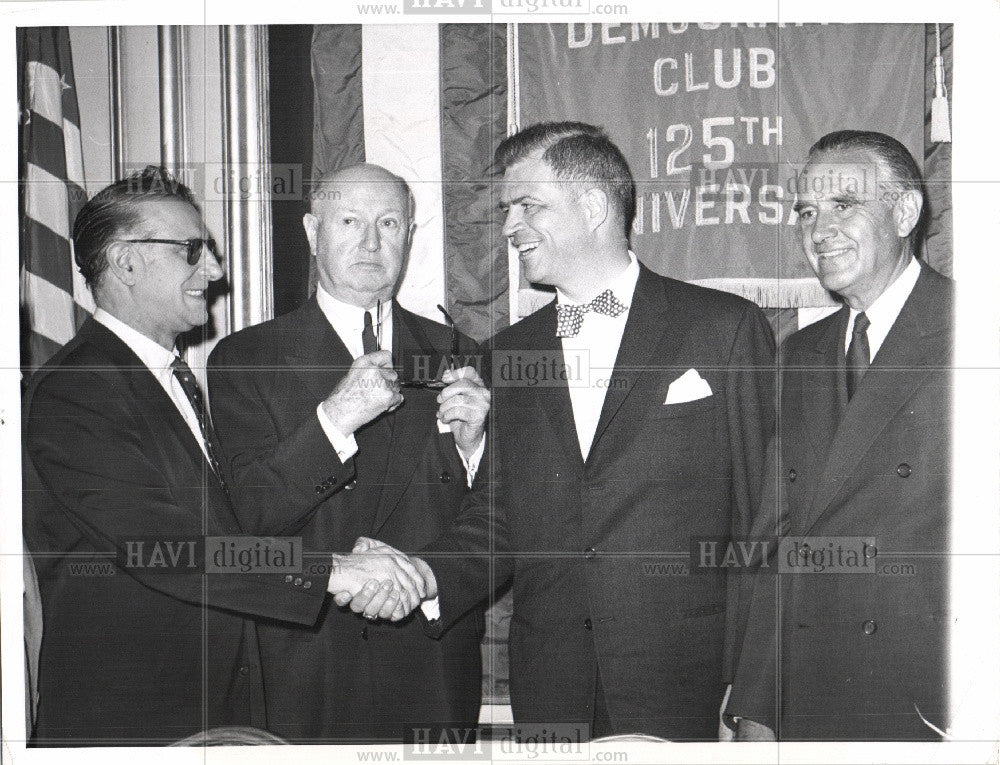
x: 321, y: 442
x: 141, y: 644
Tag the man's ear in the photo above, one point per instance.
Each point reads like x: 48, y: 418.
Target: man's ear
x: 123, y: 261
x: 906, y: 211
x: 594, y: 202
x: 311, y: 224
x: 411, y: 229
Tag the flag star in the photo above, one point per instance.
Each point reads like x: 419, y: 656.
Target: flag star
x: 65, y: 85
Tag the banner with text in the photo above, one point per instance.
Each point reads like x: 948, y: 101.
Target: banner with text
x: 715, y: 119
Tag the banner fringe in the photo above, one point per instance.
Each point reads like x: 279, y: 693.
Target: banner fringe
x: 774, y: 293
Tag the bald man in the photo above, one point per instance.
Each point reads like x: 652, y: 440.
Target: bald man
x: 321, y: 441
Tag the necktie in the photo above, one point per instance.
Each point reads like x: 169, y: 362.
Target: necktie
x: 192, y: 390
x: 570, y: 317
x: 858, y: 354
x: 368, y: 335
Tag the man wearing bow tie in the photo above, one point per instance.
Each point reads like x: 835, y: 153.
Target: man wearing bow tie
x: 321, y: 442
x: 859, y: 479
x: 602, y: 480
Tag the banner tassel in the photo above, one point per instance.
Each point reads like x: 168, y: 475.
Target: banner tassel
x: 940, y: 122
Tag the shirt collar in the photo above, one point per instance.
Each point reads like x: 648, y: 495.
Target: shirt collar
x: 341, y: 314
x: 156, y: 358
x: 623, y: 285
x: 886, y: 307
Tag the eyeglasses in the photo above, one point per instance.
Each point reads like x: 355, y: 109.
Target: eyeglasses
x: 438, y: 384
x: 194, y: 247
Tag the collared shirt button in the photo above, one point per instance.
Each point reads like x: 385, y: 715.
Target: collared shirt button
x: 590, y: 553
x: 445, y: 476
x: 904, y: 470
x: 869, y: 627
x: 587, y: 624
x: 792, y: 475
x: 288, y: 578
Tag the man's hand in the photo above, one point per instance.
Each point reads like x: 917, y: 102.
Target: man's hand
x: 374, y: 598
x: 369, y: 388
x: 464, y: 405
x: 379, y: 581
x: 748, y: 730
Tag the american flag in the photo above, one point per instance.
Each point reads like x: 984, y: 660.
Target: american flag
x: 54, y: 298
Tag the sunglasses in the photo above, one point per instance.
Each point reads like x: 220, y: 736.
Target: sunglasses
x: 194, y: 247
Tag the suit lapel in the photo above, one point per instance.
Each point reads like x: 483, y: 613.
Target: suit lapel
x: 553, y: 399
x: 319, y: 357
x: 409, y: 429
x: 156, y: 407
x: 652, y: 334
x: 824, y: 395
x: 917, y: 345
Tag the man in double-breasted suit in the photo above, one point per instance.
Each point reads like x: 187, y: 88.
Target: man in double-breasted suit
x: 317, y: 450
x: 630, y: 419
x: 143, y: 643
x: 855, y: 602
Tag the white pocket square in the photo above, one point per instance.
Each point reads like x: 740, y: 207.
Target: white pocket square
x: 690, y: 386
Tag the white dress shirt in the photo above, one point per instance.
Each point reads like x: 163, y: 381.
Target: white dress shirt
x: 158, y: 360
x: 348, y: 321
x: 596, y: 346
x: 885, y: 310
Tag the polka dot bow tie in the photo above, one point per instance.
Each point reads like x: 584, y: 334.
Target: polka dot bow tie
x: 570, y: 317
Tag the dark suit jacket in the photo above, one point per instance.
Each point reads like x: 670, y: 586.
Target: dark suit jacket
x: 860, y: 652
x: 345, y: 678
x: 133, y: 654
x: 588, y: 542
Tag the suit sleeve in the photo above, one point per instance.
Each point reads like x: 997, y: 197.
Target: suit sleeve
x: 472, y: 559
x: 87, y: 448
x: 277, y: 480
x: 751, y: 400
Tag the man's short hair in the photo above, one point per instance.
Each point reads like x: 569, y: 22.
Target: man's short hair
x: 116, y: 208
x: 576, y: 151
x: 893, y: 156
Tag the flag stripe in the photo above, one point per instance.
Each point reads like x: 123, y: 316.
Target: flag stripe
x: 50, y: 309
x: 47, y: 201
x: 402, y: 130
x: 43, y: 136
x: 48, y: 255
x: 338, y: 123
x: 45, y: 92
x: 473, y: 121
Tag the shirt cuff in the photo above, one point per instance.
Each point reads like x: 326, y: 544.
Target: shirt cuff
x: 431, y: 609
x: 345, y: 446
x: 472, y: 464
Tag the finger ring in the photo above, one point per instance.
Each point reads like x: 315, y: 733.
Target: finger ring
x: 370, y: 618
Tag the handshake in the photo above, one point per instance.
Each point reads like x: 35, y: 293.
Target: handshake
x: 379, y: 581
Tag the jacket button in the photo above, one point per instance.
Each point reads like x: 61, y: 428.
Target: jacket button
x: 307, y: 585
x: 445, y: 476
x: 792, y: 475
x: 869, y: 627
x: 298, y: 581
x: 319, y: 488
x: 904, y: 470
x: 587, y: 624
x: 288, y: 579
x: 590, y: 553
x: 364, y: 633
x: 870, y: 551
x: 351, y: 484
x: 244, y: 670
